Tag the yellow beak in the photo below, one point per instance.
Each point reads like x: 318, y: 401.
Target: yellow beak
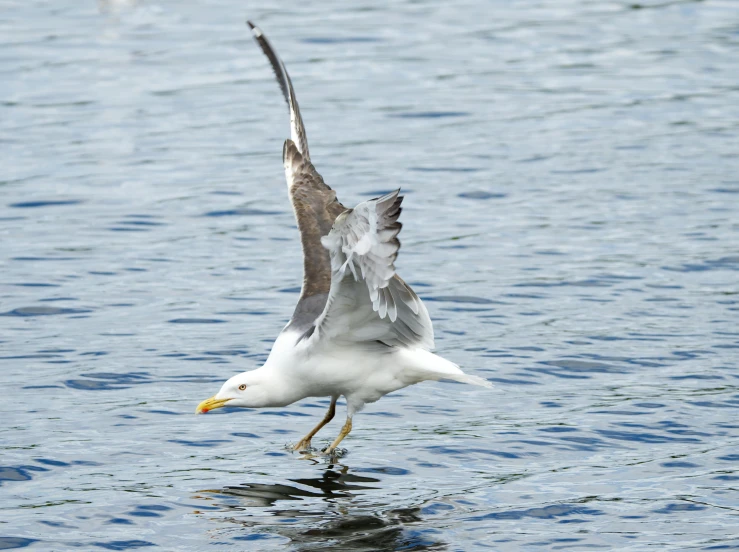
x: 210, y: 404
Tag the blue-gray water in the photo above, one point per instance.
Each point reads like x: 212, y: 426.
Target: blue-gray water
x: 571, y: 220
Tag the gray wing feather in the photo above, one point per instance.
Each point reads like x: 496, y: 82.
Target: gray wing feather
x: 368, y: 301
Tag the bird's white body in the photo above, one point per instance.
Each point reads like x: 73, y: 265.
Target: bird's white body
x: 362, y: 374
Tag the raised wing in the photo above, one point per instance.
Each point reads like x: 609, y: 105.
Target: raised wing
x: 368, y: 302
x: 314, y: 203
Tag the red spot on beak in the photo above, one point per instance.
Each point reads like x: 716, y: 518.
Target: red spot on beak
x: 204, y: 410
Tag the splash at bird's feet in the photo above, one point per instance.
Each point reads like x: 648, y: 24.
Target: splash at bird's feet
x: 335, y: 453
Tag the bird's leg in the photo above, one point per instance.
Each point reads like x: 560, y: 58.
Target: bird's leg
x: 304, y: 443
x: 343, y: 433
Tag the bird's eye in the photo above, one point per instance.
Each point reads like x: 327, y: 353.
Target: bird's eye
x: 242, y: 387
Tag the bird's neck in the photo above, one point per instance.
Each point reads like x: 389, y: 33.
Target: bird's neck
x: 279, y: 388
x: 278, y: 376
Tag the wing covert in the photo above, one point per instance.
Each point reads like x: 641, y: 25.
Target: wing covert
x: 315, y: 207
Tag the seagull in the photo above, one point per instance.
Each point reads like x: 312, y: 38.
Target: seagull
x: 358, y: 330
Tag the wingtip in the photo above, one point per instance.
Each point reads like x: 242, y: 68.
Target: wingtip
x: 388, y: 196
x: 254, y: 29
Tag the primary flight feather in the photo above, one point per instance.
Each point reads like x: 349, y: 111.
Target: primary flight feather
x: 358, y: 330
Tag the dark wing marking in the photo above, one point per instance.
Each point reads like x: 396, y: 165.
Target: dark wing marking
x: 297, y: 129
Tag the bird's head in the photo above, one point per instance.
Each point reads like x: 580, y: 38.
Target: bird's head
x: 245, y: 390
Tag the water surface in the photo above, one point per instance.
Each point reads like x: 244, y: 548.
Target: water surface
x: 571, y: 220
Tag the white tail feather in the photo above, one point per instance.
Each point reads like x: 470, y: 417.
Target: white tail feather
x: 474, y: 380
x: 422, y: 365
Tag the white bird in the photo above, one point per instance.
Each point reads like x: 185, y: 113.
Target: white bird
x: 358, y: 330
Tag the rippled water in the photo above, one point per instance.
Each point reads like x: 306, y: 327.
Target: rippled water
x: 571, y: 220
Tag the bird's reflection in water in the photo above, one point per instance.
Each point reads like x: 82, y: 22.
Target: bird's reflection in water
x: 335, y: 482
x: 329, y: 516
